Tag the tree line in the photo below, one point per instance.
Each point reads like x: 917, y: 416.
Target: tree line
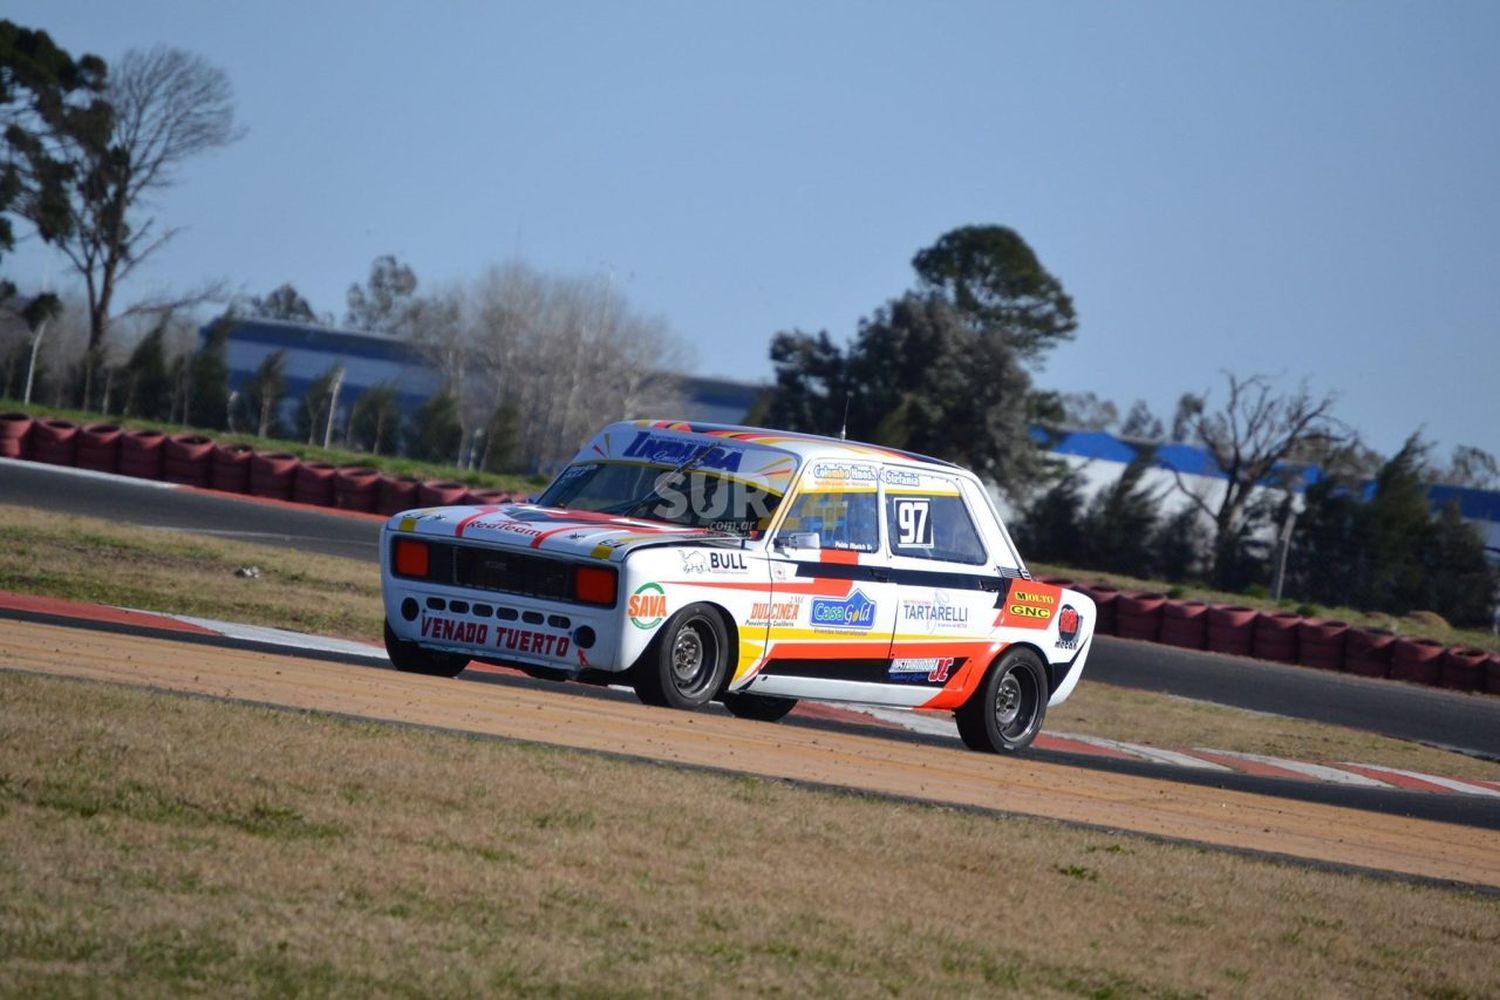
x: 946, y: 369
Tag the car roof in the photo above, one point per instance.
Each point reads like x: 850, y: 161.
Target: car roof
x: 804, y: 446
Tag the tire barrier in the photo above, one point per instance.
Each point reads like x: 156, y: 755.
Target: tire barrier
x: 395, y: 494
x: 230, y: 469
x: 187, y: 459
x: 313, y: 484
x: 1184, y: 624
x: 487, y: 498
x: 1463, y: 668
x: 54, y: 442
x: 140, y: 453
x: 99, y: 448
x: 1138, y: 615
x: 1416, y: 660
x: 1231, y: 629
x: 1275, y: 636
x: 1492, y: 674
x: 440, y: 493
x: 356, y: 487
x: 15, y: 435
x: 1106, y: 606
x: 1367, y: 652
x: 1320, y: 644
x: 271, y: 474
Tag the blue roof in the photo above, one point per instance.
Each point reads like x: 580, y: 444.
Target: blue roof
x: 1095, y: 444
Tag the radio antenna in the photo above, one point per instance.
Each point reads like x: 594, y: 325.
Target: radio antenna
x: 844, y: 427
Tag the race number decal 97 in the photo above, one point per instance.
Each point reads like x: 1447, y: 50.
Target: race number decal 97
x: 913, y: 524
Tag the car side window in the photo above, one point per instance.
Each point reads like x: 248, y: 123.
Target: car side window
x: 932, y: 527
x: 841, y: 520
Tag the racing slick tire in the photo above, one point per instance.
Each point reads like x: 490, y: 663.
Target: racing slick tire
x: 687, y: 663
x: 410, y: 658
x: 760, y: 707
x: 1006, y: 713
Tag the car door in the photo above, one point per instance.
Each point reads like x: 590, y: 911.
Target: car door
x: 833, y: 605
x: 946, y: 584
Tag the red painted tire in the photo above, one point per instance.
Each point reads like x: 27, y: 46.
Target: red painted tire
x: 1184, y: 624
x: 271, y: 474
x: 1367, y: 651
x: 356, y: 487
x: 1320, y: 643
x: 54, y: 441
x: 1231, y: 628
x: 440, y: 493
x: 187, y: 459
x: 15, y: 435
x: 1462, y: 668
x: 1060, y: 581
x: 1419, y: 661
x: 1106, y: 606
x: 140, y: 453
x: 1492, y: 674
x: 313, y: 484
x: 486, y: 498
x: 1138, y: 616
x: 230, y: 469
x: 1275, y: 636
x: 99, y: 448
x: 395, y: 494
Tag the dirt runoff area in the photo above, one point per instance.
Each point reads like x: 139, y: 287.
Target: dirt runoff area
x: 574, y: 716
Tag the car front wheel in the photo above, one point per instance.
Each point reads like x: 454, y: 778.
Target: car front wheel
x: 410, y: 658
x: 1006, y: 713
x: 688, y: 662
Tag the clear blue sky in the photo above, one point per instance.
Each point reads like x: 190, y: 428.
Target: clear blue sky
x: 1303, y: 189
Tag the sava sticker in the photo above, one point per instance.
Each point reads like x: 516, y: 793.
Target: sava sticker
x: 647, y: 607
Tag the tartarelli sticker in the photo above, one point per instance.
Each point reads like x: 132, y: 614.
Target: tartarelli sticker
x: 648, y: 605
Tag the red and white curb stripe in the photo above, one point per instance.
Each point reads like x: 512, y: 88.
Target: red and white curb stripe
x: 924, y: 723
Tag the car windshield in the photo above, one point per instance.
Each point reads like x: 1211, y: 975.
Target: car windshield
x: 697, y: 498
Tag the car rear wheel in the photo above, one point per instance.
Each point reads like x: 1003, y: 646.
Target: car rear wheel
x: 687, y: 663
x: 760, y: 707
x: 410, y: 658
x: 1007, y: 711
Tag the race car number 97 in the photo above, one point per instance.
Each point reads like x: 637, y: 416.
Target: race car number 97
x: 913, y: 525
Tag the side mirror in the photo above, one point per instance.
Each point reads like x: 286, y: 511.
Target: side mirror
x: 798, y: 540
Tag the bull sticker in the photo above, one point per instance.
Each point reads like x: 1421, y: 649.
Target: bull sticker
x: 1069, y: 624
x: 928, y: 670
x: 647, y: 607
x: 854, y: 612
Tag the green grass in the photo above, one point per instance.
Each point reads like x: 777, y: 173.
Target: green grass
x: 152, y: 844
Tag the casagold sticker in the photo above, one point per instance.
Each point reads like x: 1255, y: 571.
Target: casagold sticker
x: 647, y: 607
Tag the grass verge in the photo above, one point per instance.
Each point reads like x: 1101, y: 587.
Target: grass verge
x: 152, y: 844
x: 94, y: 560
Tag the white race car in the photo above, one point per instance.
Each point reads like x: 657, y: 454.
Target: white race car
x: 756, y: 567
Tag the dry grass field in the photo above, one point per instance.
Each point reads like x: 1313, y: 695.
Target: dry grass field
x: 154, y: 844
x: 94, y: 560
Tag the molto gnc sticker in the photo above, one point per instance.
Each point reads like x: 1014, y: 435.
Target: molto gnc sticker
x: 1029, y: 606
x: 647, y: 607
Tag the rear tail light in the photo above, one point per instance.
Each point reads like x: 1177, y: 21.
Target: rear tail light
x: 595, y: 585
x: 411, y: 558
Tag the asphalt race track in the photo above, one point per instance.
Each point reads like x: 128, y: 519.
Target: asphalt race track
x: 864, y: 760
x: 1470, y: 724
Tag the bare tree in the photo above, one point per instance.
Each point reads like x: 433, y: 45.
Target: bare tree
x: 166, y: 106
x: 1255, y: 431
x: 563, y: 354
